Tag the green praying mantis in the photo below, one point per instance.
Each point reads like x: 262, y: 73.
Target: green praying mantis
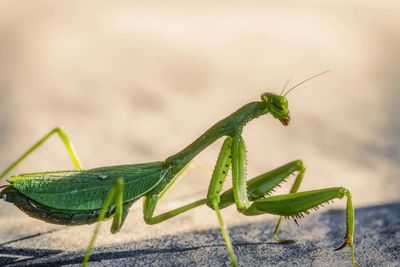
x: 85, y: 196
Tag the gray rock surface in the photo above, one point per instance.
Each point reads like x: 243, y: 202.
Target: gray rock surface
x: 377, y: 239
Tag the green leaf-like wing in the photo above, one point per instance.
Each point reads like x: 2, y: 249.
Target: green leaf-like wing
x: 87, y: 189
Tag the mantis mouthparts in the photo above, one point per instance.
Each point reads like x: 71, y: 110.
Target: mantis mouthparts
x: 284, y: 121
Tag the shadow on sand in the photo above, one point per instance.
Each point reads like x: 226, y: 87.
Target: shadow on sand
x: 377, y: 243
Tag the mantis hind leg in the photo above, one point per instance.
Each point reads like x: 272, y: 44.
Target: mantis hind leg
x: 114, y: 196
x: 64, y: 138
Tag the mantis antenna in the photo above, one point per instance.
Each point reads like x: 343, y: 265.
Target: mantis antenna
x: 306, y: 80
x: 284, y: 87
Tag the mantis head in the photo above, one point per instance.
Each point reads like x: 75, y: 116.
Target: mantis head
x: 277, y: 105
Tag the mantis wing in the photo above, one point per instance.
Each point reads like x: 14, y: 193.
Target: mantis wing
x: 87, y: 189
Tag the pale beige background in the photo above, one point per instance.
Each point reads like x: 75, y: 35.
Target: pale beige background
x: 133, y: 82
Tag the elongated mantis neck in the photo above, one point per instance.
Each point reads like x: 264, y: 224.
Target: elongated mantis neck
x: 226, y: 127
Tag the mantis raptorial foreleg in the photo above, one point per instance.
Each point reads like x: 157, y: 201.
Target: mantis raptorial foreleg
x: 242, y: 200
x: 114, y: 196
x: 64, y: 138
x: 215, y: 188
x: 263, y: 184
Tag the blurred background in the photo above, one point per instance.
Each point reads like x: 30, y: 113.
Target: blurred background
x: 136, y: 82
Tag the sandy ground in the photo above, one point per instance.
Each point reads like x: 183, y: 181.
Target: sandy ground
x: 134, y: 82
x: 377, y: 244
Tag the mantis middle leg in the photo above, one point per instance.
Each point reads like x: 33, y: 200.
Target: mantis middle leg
x: 64, y: 138
x: 114, y: 196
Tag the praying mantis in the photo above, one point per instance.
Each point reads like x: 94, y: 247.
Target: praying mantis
x: 85, y: 196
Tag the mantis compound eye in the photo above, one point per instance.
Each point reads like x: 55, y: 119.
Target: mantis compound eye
x: 279, y: 107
